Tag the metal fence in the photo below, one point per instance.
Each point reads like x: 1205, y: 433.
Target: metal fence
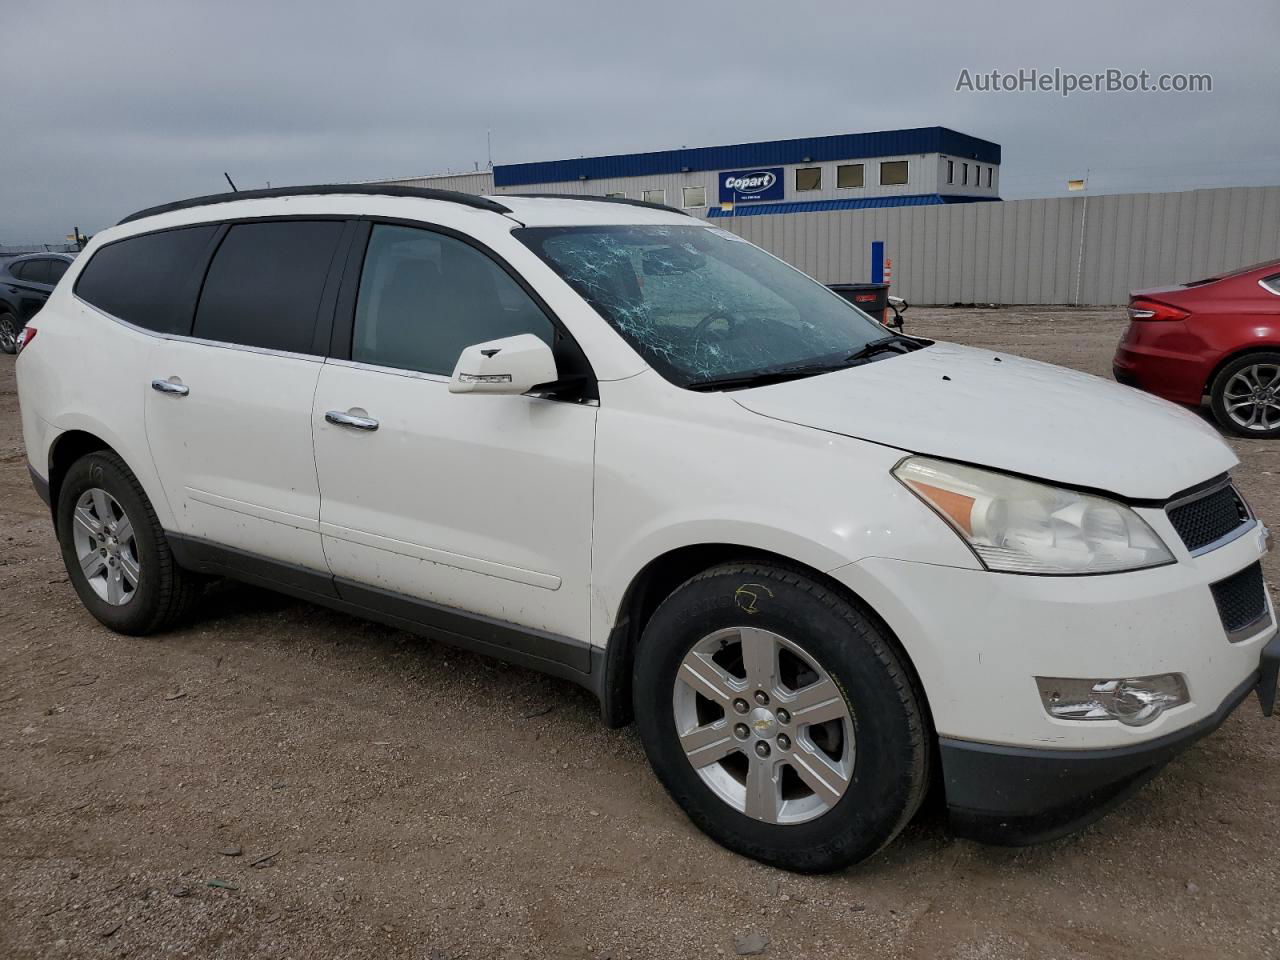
x: 18, y: 249
x: 1081, y: 249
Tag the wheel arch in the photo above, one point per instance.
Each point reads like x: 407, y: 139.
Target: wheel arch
x: 656, y: 581
x: 68, y: 447
x: 1264, y: 347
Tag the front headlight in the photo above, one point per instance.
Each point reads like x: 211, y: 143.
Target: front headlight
x: 1018, y: 526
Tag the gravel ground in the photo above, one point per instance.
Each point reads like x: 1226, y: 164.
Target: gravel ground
x: 278, y: 780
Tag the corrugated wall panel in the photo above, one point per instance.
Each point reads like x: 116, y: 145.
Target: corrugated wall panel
x: 1028, y: 251
x: 1015, y: 251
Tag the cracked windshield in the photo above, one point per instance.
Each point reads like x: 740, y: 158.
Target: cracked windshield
x: 703, y: 307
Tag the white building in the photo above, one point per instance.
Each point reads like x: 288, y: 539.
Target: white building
x: 917, y: 167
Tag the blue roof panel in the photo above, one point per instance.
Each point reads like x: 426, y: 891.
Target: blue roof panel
x: 845, y: 146
x: 866, y: 203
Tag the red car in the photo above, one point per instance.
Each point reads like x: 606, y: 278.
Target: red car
x: 1218, y: 338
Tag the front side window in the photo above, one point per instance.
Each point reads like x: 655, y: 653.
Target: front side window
x: 849, y: 175
x: 695, y: 196
x: 655, y: 196
x: 264, y: 286
x: 809, y: 178
x: 698, y: 303
x: 424, y: 297
x: 893, y: 172
x: 56, y: 269
x: 149, y: 280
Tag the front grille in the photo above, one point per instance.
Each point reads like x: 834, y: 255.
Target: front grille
x: 1241, y: 600
x: 1210, y: 517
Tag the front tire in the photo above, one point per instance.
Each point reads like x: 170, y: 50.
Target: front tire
x: 115, y: 550
x: 780, y: 718
x: 1245, y: 396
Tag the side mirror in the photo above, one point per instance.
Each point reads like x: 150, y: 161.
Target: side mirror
x: 512, y: 365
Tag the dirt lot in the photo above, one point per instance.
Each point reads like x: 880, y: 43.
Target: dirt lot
x: 418, y: 802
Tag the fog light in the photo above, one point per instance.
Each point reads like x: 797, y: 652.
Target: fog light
x: 1135, y: 701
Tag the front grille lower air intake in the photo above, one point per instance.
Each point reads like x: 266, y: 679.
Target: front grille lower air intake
x: 1242, y: 602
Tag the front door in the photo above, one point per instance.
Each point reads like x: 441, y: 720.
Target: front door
x: 477, y: 503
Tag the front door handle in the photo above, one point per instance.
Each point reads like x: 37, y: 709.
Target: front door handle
x: 351, y: 420
x: 172, y: 387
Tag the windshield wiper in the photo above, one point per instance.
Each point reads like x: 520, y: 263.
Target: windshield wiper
x: 763, y: 377
x: 896, y: 343
x: 889, y: 344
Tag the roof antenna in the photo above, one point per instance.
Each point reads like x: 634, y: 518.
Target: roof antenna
x: 230, y: 181
x: 488, y: 141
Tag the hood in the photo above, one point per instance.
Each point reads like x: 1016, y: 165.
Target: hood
x: 990, y: 409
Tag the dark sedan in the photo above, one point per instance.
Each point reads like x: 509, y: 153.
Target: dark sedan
x: 25, y: 284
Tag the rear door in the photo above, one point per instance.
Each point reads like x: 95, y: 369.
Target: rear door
x: 33, y: 286
x: 229, y: 410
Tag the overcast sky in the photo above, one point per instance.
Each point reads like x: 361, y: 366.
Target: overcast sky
x: 109, y: 107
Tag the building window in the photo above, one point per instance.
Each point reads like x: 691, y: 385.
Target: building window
x: 964, y: 174
x: 616, y: 196
x: 809, y: 178
x: 951, y: 171
x: 989, y: 169
x: 695, y: 196
x: 849, y: 175
x: 893, y: 173
x: 654, y: 196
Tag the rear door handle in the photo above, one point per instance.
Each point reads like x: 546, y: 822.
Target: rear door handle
x: 171, y: 387
x: 351, y: 420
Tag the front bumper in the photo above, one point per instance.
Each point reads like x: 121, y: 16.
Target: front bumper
x: 1021, y: 795
x: 977, y: 640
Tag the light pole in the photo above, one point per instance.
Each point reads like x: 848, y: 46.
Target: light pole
x: 1082, y: 185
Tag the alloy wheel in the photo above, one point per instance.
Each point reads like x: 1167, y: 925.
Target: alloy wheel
x: 1251, y: 397
x: 765, y: 727
x: 106, y: 547
x: 8, y: 334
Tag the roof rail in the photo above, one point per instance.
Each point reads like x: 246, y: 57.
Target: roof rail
x: 586, y: 196
x: 321, y: 190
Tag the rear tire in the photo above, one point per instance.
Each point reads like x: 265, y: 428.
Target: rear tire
x: 1245, y: 396
x: 115, y: 551
x: 9, y: 330
x: 742, y: 761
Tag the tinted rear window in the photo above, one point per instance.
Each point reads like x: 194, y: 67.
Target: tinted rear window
x: 36, y: 271
x: 265, y: 283
x: 56, y: 269
x: 148, y: 280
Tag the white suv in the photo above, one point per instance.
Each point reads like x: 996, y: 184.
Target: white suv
x: 822, y: 565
